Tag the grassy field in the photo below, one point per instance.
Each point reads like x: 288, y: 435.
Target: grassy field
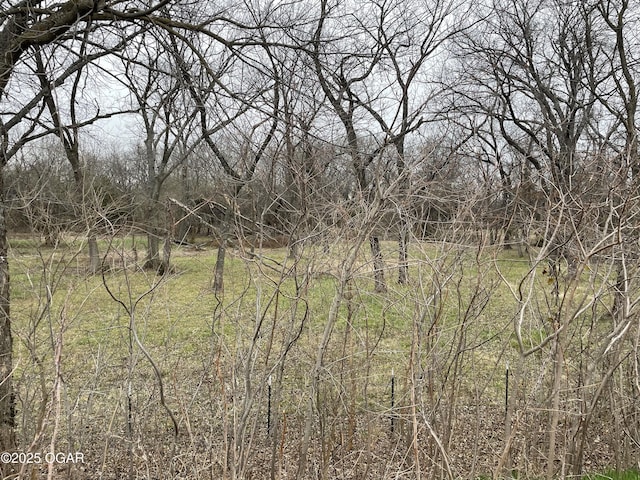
x: 159, y: 377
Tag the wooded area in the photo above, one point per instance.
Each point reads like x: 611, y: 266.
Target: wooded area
x: 422, y: 215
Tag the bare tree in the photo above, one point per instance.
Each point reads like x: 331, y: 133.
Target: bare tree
x: 410, y: 38
x: 536, y: 76
x: 69, y: 134
x: 169, y: 128
x: 249, y: 107
x: 339, y: 76
x: 30, y: 24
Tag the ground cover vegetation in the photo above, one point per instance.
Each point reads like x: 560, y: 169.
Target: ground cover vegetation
x: 338, y: 239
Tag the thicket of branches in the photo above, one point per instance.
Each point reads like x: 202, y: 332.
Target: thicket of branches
x: 451, y: 128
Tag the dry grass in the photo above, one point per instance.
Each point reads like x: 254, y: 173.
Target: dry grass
x: 216, y: 354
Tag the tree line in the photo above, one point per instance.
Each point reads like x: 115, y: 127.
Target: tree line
x: 510, y: 123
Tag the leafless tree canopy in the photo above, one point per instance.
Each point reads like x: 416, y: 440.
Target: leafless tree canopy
x: 414, y: 224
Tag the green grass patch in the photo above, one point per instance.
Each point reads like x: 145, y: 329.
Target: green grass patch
x: 446, y: 336
x: 613, y: 475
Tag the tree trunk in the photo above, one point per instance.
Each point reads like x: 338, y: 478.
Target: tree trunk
x: 218, y: 277
x: 94, y: 254
x: 152, y: 261
x: 165, y: 266
x: 226, y: 226
x: 293, y: 248
x: 7, y: 397
x: 153, y: 250
x: 403, y: 264
x: 620, y: 288
x: 554, y: 410
x: 378, y: 265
